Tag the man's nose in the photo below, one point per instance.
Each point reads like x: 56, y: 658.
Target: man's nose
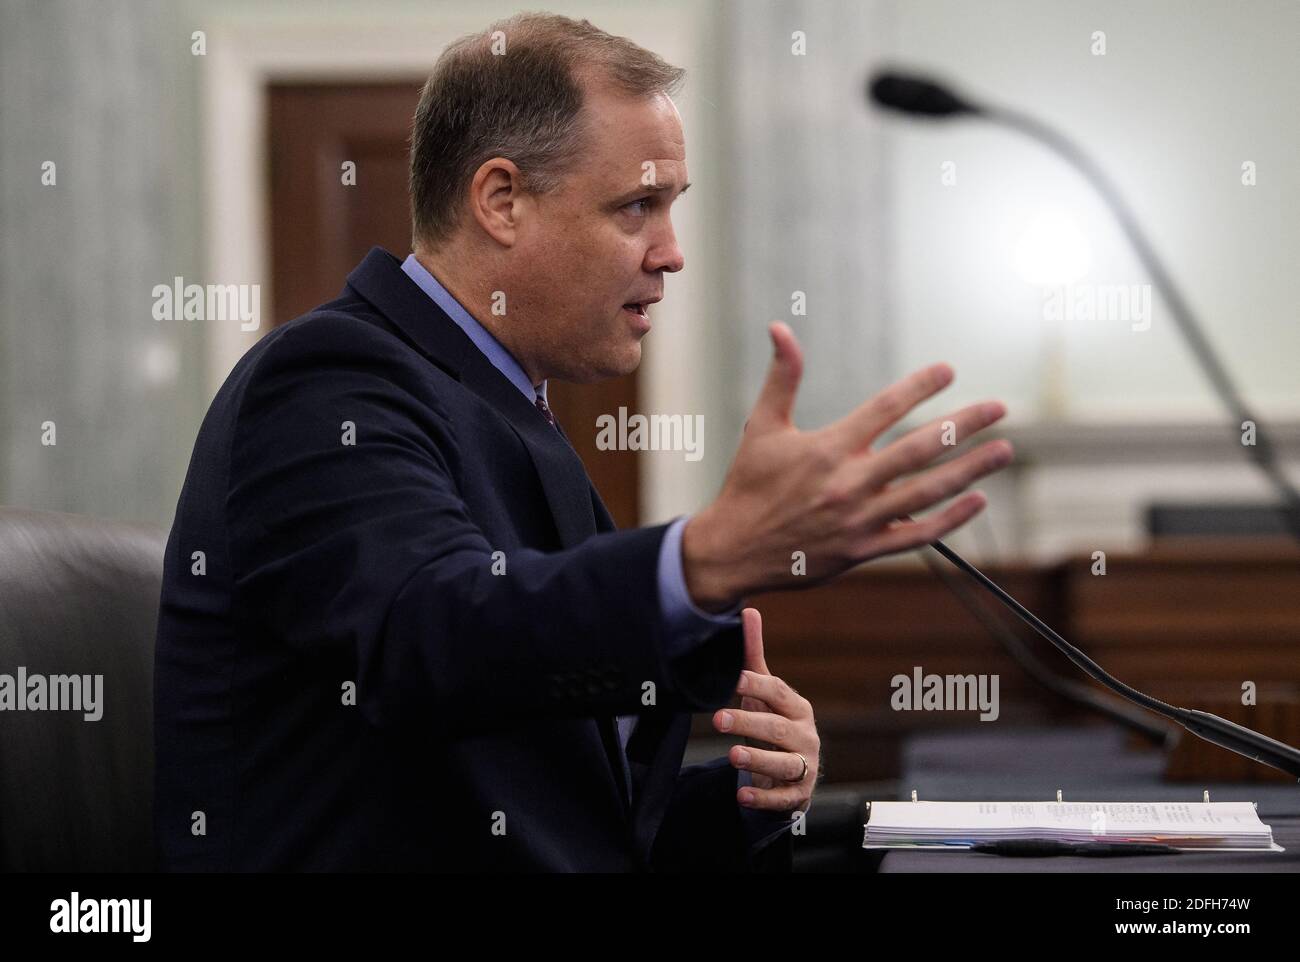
x: 665, y: 255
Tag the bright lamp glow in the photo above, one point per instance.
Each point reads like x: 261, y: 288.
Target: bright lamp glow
x: 1052, y: 250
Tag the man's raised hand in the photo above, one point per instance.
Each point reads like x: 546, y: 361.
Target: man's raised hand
x: 827, y: 493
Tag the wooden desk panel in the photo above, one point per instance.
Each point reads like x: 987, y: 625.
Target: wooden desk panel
x: 1187, y: 622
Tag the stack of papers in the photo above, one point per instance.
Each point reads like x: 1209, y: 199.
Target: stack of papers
x: 1193, y: 826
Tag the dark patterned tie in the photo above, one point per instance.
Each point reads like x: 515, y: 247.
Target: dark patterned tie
x: 546, y: 412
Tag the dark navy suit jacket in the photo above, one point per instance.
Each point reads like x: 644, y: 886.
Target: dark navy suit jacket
x: 347, y: 679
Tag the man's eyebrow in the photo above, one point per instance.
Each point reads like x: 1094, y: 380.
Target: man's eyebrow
x: 654, y: 188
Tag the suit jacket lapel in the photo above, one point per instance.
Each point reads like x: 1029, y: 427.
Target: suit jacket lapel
x: 379, y: 278
x: 564, y: 479
x: 604, y: 520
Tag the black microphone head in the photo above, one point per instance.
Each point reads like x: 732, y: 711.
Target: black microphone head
x: 916, y: 95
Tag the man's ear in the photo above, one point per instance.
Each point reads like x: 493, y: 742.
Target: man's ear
x: 497, y: 199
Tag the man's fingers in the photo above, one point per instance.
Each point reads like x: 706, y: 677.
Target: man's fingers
x: 767, y: 727
x: 786, y: 798
x: 780, y: 766
x: 919, y: 447
x: 774, y: 693
x: 753, y: 634
x: 857, y: 429
x: 775, y: 405
x: 906, y: 535
x: 941, y: 483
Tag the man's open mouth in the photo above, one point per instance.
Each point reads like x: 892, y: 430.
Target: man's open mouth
x: 635, y: 308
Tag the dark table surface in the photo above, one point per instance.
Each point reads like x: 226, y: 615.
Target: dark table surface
x: 1087, y: 765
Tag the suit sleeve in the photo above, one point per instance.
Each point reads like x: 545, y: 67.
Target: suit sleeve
x: 367, y: 549
x: 684, y: 622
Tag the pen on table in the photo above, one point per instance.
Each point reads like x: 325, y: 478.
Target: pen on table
x: 1034, y: 848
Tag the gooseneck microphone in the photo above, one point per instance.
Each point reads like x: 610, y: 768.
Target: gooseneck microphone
x: 922, y: 97
x: 1119, y: 710
x: 910, y: 94
x: 1212, y: 728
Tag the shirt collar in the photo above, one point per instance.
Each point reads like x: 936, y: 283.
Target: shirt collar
x: 493, y: 349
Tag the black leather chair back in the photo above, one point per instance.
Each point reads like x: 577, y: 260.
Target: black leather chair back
x: 78, y: 597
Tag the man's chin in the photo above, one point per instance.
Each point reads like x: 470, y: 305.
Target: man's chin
x: 613, y: 365
x: 630, y: 359
x: 591, y: 368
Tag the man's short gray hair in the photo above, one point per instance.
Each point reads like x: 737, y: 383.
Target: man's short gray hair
x: 515, y: 91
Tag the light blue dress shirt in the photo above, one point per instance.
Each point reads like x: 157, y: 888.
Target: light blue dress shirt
x: 686, y: 624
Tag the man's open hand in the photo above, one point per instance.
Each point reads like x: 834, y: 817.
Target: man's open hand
x: 825, y: 493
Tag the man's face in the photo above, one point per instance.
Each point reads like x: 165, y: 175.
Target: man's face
x: 602, y: 241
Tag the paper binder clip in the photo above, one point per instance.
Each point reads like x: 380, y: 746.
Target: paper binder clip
x: 914, y: 794
x: 1058, y: 795
x: 1205, y: 795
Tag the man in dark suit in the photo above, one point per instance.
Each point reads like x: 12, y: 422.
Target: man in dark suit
x: 398, y: 629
